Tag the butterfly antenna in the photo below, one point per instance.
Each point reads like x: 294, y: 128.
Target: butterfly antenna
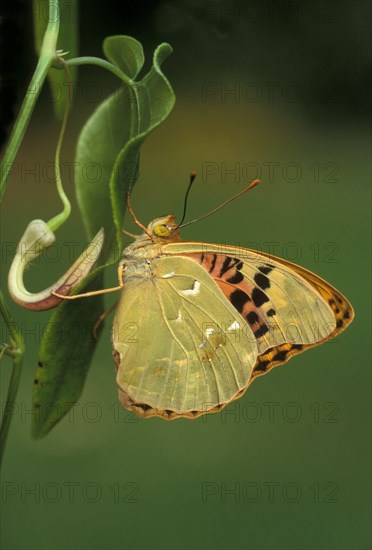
x: 192, y: 178
x: 250, y: 186
x: 136, y: 221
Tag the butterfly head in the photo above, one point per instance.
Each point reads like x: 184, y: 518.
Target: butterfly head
x: 164, y: 229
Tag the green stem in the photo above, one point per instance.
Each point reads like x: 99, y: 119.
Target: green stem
x: 90, y: 60
x: 16, y: 348
x: 47, y: 55
x: 60, y: 219
x: 16, y: 352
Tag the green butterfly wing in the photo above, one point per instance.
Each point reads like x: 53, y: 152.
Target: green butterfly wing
x: 180, y: 347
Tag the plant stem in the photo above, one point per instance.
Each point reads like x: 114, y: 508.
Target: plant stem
x: 16, y: 352
x: 16, y: 348
x: 90, y: 60
x: 47, y: 55
x: 60, y: 218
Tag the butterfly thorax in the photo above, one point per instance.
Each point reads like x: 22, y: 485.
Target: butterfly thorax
x: 138, y: 256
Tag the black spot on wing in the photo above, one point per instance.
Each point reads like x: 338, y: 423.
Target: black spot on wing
x: 213, y: 263
x: 271, y: 312
x: 280, y: 356
x: 225, y: 266
x: 252, y: 318
x: 265, y: 269
x: 262, y: 281
x: 228, y: 264
x: 262, y: 365
x: 238, y: 299
x: 239, y: 265
x: 236, y: 278
x: 259, y: 297
x: 261, y: 331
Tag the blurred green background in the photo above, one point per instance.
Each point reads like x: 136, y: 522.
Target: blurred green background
x: 277, y: 90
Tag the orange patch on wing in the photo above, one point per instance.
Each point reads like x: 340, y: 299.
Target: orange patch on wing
x: 225, y: 271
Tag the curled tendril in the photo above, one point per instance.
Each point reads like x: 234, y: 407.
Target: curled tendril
x: 37, y: 237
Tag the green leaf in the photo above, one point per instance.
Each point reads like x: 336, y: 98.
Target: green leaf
x: 64, y: 357
x: 67, y: 41
x: 126, y: 53
x: 107, y: 165
x: 153, y: 99
x: 100, y: 143
x: 108, y: 149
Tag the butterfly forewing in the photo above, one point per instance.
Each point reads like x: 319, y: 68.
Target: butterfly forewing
x: 280, y: 306
x: 289, y: 308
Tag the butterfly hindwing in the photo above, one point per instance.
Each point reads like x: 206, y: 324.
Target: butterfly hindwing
x: 192, y: 352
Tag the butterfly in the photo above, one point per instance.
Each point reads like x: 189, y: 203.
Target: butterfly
x: 207, y: 319
x: 197, y: 322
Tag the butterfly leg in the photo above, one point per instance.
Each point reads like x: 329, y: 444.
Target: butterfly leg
x: 95, y: 292
x: 101, y: 318
x: 131, y: 235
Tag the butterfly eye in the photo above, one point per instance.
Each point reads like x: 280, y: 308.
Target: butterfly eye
x: 161, y: 231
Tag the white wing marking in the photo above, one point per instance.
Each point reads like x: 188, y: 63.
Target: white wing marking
x: 194, y: 291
